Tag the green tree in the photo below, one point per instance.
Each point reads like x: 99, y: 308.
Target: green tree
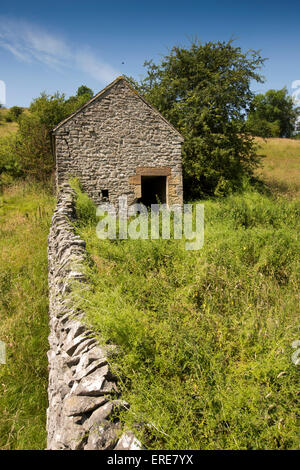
x: 273, y: 114
x: 15, y: 112
x: 35, y: 147
x: 84, y: 90
x: 204, y: 91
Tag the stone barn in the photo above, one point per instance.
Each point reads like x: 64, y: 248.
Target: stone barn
x: 118, y: 144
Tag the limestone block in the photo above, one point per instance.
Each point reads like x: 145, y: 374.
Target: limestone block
x: 103, y: 437
x: 77, y: 405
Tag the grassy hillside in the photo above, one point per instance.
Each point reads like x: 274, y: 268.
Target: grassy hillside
x: 206, y: 336
x: 7, y: 128
x: 281, y: 165
x: 25, y: 212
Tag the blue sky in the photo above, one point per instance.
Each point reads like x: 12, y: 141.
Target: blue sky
x: 60, y: 45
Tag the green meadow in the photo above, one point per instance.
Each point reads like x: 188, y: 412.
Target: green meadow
x: 204, y: 336
x: 25, y: 212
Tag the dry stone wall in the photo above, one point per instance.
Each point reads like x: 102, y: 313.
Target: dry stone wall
x: 82, y: 392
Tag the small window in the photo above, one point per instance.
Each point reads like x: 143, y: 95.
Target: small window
x: 104, y: 193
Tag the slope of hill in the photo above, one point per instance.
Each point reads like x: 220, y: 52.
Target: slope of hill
x: 281, y: 165
x: 7, y: 128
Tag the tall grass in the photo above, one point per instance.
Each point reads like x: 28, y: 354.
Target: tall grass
x: 25, y: 212
x: 205, y: 336
x: 6, y: 128
x: 281, y: 165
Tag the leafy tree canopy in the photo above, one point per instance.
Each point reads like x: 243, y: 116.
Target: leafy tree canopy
x: 84, y: 90
x: 15, y: 112
x: 34, y: 149
x: 204, y: 91
x: 273, y: 114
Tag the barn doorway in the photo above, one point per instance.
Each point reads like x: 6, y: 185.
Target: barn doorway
x: 154, y: 190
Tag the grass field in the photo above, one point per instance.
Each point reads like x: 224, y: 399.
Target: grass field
x: 7, y: 128
x: 205, y: 337
x: 281, y: 167
x: 25, y: 212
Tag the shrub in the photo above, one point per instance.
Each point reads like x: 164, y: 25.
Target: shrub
x: 10, y: 165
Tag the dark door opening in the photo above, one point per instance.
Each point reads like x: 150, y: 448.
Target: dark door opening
x: 154, y: 190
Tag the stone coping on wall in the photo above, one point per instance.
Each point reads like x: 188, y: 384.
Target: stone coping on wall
x: 82, y: 392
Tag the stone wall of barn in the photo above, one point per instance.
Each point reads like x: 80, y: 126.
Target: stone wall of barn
x: 114, y: 141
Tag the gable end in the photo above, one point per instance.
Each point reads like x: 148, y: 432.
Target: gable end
x: 104, y: 93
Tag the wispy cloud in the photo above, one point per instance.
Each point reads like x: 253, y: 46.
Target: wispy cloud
x: 29, y: 43
x: 88, y: 62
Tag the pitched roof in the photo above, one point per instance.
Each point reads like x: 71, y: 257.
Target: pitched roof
x: 102, y: 93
